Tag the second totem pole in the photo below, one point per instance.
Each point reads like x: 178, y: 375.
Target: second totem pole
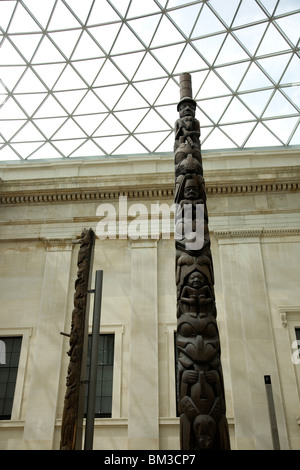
x: 201, y: 399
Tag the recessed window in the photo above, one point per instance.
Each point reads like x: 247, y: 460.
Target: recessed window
x: 10, y: 348
x: 104, y: 387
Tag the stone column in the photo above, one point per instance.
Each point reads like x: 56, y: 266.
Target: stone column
x: 250, y: 339
x: 143, y: 413
x: 47, y: 348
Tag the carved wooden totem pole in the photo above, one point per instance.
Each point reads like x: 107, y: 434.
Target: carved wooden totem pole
x: 72, y: 420
x: 201, y: 400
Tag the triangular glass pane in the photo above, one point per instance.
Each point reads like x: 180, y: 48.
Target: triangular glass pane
x: 130, y: 147
x: 105, y: 35
x: 189, y: 56
x: 212, y: 87
x: 168, y: 56
x: 131, y: 99
x: 250, y: 37
x: 287, y: 6
x: 30, y: 83
x: 149, y: 68
x: 185, y: 18
x: 207, y: 23
x: 90, y: 104
x: 27, y: 44
x: 111, y: 126
x: 231, y: 52
x: 131, y: 119
x: 145, y: 27
x: 218, y: 140
x: 47, y: 52
x: 290, y: 26
x: 88, y: 69
x: 28, y: 133
x: 101, y: 13
x: 238, y: 132
x: 269, y: 5
x: 296, y: 137
x: 292, y: 72
x: 153, y: 140
x: 109, y: 75
x: 89, y: 123
x: 210, y: 46
x: 49, y: 126
x: 46, y: 151
x: 167, y: 145
x: 202, y: 117
x: 272, y: 42
x: 254, y: 78
x: 236, y: 112
x: 274, y: 66
x: 169, y: 113
x: 169, y: 94
x: 138, y: 8
x: 69, y: 79
x: 166, y: 34
x: 152, y: 122
x: 26, y: 148
x: 293, y: 92
x: 126, y: 42
x: 129, y: 63
x: 7, y: 153
x: 10, y: 110
x: 151, y: 89
x: 85, y: 44
x: 41, y: 14
x: 70, y: 99
x: 226, y: 10
x: 30, y: 102
x: 282, y: 127
x: 49, y: 73
x: 279, y: 106
x: 50, y: 108
x: 69, y: 130
x: 66, y: 41
x: 261, y: 137
x: 62, y: 18
x: 257, y: 101
x: 110, y: 94
x: 22, y: 21
x: 109, y: 144
x: 81, y: 9
x: 9, y: 55
x: 88, y: 149
x: 233, y: 74
x: 10, y: 76
x: 121, y: 6
x: 8, y: 127
x: 176, y: 3
x: 6, y: 10
x: 249, y: 12
x: 67, y: 146
x: 214, y: 108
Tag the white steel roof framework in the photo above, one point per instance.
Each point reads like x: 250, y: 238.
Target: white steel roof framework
x: 101, y: 77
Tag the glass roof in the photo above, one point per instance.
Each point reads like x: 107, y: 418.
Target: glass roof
x: 101, y: 77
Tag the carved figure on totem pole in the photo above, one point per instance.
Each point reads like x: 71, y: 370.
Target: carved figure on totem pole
x: 201, y: 399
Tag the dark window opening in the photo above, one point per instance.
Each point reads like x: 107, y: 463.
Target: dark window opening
x: 103, y: 405
x: 10, y: 348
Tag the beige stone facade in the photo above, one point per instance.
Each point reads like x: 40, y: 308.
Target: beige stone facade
x: 253, y: 205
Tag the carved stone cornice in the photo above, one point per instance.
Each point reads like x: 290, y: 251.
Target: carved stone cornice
x: 81, y: 194
x: 257, y: 232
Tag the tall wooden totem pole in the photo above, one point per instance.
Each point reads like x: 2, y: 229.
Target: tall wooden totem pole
x: 72, y: 419
x: 201, y: 400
